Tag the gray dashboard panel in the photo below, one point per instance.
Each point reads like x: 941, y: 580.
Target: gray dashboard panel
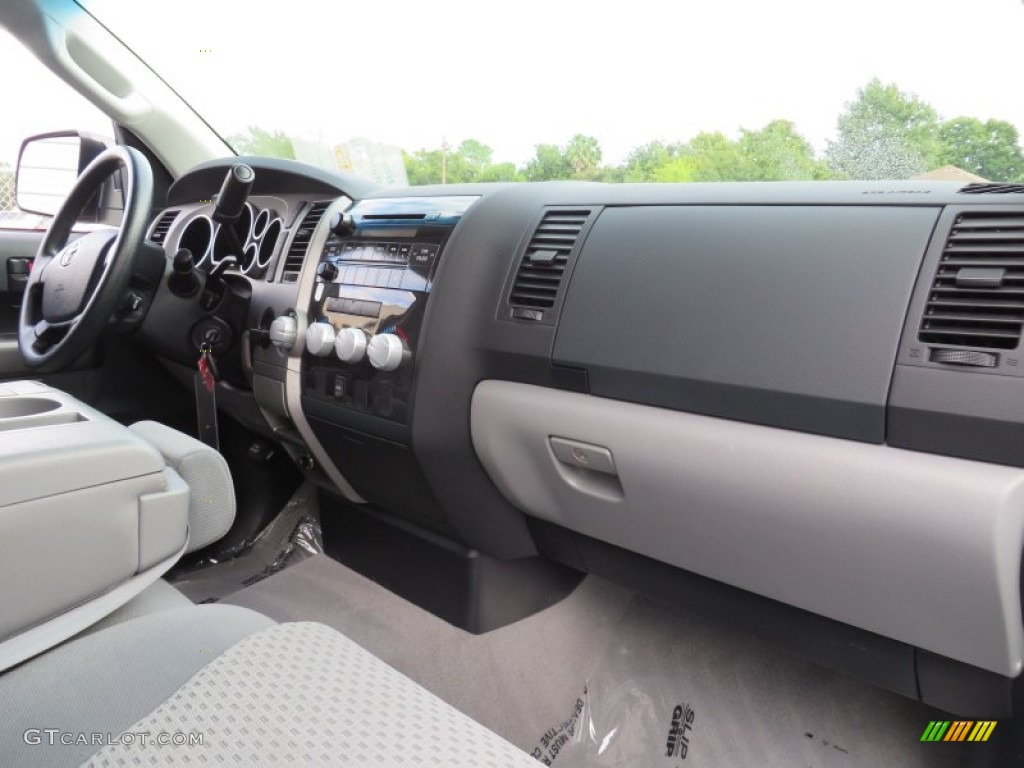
x: 774, y: 314
x: 916, y: 547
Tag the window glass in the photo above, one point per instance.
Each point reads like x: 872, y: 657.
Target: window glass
x: 34, y: 100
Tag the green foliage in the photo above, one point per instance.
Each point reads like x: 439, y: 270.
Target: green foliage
x: 579, y: 159
x: 778, y: 153
x: 469, y: 162
x: 583, y: 154
x: 644, y: 162
x: 989, y: 149
x: 256, y: 141
x: 885, y: 134
x: 549, y: 162
x: 773, y: 153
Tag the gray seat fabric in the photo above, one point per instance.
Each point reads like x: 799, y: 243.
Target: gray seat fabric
x: 158, y: 596
x: 212, y: 508
x: 303, y: 694
x: 105, y: 681
x: 259, y: 694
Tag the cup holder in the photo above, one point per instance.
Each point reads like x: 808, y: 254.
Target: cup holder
x: 15, y: 407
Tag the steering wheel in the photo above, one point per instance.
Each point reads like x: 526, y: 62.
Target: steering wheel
x: 74, y: 288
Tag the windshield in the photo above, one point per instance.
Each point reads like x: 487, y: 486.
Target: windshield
x: 746, y: 90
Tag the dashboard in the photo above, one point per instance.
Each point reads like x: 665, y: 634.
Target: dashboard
x: 809, y: 392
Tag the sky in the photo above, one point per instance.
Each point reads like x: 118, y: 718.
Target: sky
x: 515, y: 75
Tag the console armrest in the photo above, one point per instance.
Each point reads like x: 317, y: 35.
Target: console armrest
x: 88, y: 510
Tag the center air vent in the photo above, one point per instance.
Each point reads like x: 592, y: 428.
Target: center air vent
x: 162, y: 227
x: 977, y: 297
x: 991, y: 189
x: 300, y: 243
x: 537, y: 287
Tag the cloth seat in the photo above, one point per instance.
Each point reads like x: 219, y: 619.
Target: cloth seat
x: 254, y: 692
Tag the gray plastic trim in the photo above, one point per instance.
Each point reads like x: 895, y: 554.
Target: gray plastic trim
x: 787, y: 316
x: 66, y: 448
x: 920, y: 548
x: 293, y: 378
x: 44, y: 636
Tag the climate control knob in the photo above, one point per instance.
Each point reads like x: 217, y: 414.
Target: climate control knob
x: 320, y: 339
x: 350, y: 345
x: 385, y: 351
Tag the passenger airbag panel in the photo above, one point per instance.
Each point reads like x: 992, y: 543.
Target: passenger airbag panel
x: 788, y: 316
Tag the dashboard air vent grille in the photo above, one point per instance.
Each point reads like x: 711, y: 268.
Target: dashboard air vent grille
x: 300, y: 243
x: 162, y: 226
x: 977, y: 296
x: 991, y: 189
x: 539, y: 276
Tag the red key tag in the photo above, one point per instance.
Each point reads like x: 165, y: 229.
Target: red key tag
x: 206, y: 397
x: 206, y: 371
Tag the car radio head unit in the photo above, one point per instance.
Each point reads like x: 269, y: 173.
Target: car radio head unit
x: 374, y: 276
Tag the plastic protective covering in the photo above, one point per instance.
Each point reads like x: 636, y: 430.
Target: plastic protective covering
x: 290, y: 537
x: 670, y: 693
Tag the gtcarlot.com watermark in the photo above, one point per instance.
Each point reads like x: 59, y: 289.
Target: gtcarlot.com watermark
x: 55, y: 736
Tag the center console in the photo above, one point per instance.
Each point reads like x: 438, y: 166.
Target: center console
x: 374, y: 277
x: 90, y: 515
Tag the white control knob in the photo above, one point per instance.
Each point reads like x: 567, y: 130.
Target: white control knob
x: 283, y: 331
x: 320, y: 339
x: 350, y: 345
x: 385, y: 351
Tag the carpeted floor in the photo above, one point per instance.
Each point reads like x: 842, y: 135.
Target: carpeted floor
x: 596, y: 679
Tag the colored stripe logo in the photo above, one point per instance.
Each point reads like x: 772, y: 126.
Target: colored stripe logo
x: 958, y: 730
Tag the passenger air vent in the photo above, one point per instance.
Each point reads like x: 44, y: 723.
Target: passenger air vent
x: 977, y: 296
x: 162, y: 226
x: 296, y: 255
x: 991, y: 189
x: 538, y: 280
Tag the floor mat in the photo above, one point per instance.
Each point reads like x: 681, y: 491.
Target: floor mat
x: 612, y: 679
x: 291, y: 537
x: 516, y: 680
x: 673, y: 690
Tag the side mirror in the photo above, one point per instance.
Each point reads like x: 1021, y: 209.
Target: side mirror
x: 49, y: 165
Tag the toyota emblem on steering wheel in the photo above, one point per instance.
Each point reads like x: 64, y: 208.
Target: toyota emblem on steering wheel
x: 68, y: 254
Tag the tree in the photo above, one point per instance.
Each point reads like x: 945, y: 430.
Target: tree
x: 989, y: 149
x: 773, y: 153
x: 467, y: 163
x: 501, y: 172
x: 584, y: 156
x: 256, y: 141
x: 679, y: 169
x: 778, y: 153
x: 548, y: 162
x: 579, y: 159
x: 714, y: 157
x: 474, y: 155
x: 644, y: 162
x: 885, y: 134
x: 424, y: 167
